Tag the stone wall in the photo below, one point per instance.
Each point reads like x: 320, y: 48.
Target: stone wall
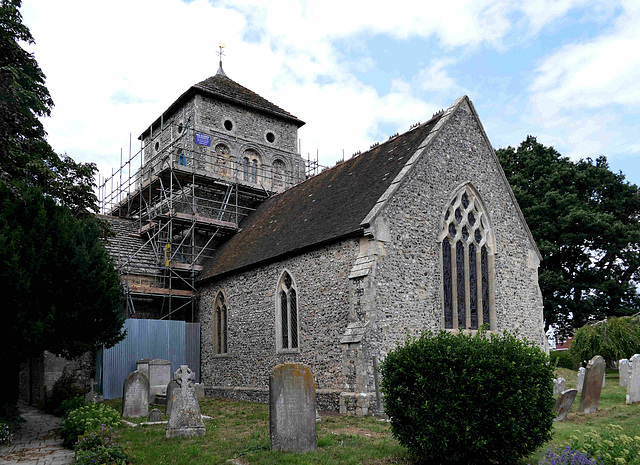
x: 407, y: 277
x: 322, y: 286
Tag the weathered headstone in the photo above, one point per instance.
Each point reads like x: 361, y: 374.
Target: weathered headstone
x: 624, y: 370
x: 185, y: 419
x: 159, y: 376
x: 580, y: 381
x: 594, y: 374
x: 563, y: 404
x: 633, y: 388
x: 155, y: 415
x: 559, y: 385
x: 292, y: 409
x: 135, y: 395
x: 170, y: 387
x: 142, y: 366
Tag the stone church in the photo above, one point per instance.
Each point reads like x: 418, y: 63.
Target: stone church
x: 331, y: 269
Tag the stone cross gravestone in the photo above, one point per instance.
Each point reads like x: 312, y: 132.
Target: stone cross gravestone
x: 624, y: 370
x: 592, y: 387
x: 633, y: 386
x: 559, y: 385
x: 159, y: 376
x: 292, y: 408
x: 185, y: 419
x: 580, y: 381
x: 563, y: 404
x: 170, y: 387
x: 135, y: 395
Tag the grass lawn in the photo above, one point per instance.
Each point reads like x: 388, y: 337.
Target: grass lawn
x: 240, y: 431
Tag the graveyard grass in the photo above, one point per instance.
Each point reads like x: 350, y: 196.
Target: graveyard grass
x: 240, y: 431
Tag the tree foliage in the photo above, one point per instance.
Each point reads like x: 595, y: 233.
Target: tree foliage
x: 26, y: 157
x: 60, y: 289
x: 585, y: 220
x: 613, y: 339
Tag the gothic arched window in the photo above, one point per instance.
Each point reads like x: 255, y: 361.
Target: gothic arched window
x: 287, y: 314
x: 467, y: 263
x: 220, y: 325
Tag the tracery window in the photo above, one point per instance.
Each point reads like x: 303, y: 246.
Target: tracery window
x: 220, y: 325
x: 467, y: 263
x: 287, y: 314
x: 278, y: 174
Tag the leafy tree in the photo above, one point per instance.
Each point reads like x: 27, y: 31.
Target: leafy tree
x: 614, y: 339
x: 25, y: 154
x: 59, y: 287
x: 585, y: 220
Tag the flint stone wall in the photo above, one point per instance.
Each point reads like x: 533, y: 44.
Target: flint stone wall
x: 400, y: 295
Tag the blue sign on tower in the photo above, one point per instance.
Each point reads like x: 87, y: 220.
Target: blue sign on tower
x: 203, y: 139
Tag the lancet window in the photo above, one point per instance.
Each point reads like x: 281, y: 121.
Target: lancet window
x: 220, y: 325
x: 287, y: 313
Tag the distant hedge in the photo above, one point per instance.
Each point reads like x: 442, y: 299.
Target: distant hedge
x: 563, y: 359
x: 459, y: 398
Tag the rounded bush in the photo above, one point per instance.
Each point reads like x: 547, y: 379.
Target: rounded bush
x: 88, y: 418
x: 460, y: 398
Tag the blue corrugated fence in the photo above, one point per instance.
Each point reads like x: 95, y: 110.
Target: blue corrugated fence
x: 176, y: 341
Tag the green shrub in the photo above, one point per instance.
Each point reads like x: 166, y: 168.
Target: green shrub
x: 610, y: 444
x: 87, y: 418
x: 100, y: 446
x: 71, y: 404
x: 563, y: 359
x: 6, y: 436
x: 458, y: 398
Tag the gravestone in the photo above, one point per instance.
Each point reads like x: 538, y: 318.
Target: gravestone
x: 580, y: 381
x: 135, y: 395
x: 142, y: 366
x: 185, y: 419
x: 563, y: 404
x: 592, y: 387
x: 559, y: 385
x: 155, y: 415
x: 170, y: 387
x: 624, y: 370
x: 292, y: 408
x: 159, y: 376
x: 633, y: 387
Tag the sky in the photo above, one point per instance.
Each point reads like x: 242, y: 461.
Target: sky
x: 564, y: 71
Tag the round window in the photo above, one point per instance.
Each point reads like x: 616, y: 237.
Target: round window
x: 157, y: 146
x: 271, y: 137
x: 228, y: 125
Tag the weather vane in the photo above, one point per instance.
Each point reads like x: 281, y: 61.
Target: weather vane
x: 220, y: 52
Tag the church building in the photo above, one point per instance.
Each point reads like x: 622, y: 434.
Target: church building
x: 331, y: 269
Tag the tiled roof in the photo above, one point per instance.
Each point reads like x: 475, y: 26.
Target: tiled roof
x: 221, y: 87
x: 127, y: 249
x: 322, y: 209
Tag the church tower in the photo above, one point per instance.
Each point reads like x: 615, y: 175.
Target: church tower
x: 205, y: 163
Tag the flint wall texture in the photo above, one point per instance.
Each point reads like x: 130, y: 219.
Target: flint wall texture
x: 320, y: 277
x: 408, y: 292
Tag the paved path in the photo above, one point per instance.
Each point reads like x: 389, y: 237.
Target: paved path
x: 36, y: 442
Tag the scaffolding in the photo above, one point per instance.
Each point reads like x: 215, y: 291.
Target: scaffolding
x: 184, y: 200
